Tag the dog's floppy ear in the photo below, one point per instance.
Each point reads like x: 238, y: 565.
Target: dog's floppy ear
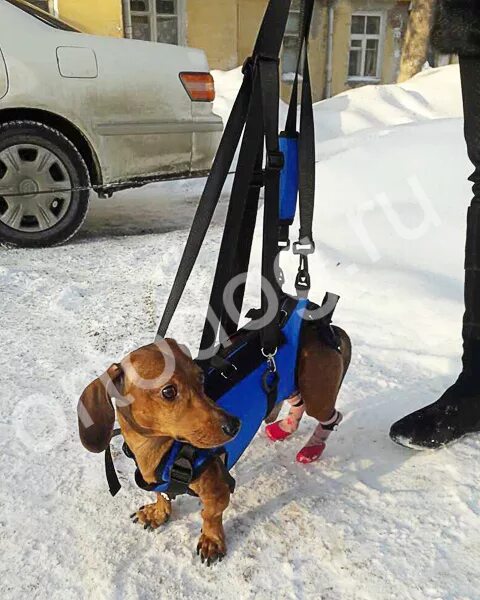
x: 96, y: 415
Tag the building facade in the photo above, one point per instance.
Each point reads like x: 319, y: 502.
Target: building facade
x: 354, y: 42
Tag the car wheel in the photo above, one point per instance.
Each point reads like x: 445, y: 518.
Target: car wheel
x: 44, y: 185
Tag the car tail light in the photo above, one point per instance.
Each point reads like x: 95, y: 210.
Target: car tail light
x: 199, y: 86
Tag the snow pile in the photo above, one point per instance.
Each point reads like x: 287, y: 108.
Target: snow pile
x: 373, y: 521
x: 432, y: 94
x: 227, y: 84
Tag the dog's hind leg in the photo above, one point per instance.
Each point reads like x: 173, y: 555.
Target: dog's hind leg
x: 320, y: 373
x: 284, y: 428
x: 152, y: 516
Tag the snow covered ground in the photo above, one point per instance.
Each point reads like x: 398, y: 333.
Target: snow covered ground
x: 372, y: 521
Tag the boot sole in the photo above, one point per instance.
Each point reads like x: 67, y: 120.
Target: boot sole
x: 406, y: 443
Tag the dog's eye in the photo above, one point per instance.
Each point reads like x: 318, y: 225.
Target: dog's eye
x: 169, y: 392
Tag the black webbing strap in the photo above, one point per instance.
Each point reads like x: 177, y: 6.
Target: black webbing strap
x: 251, y: 144
x: 306, y: 146
x: 114, y: 484
x: 272, y: 30
x: 306, y: 159
x: 229, y: 322
x: 306, y: 21
x: 270, y: 84
x: 209, y: 200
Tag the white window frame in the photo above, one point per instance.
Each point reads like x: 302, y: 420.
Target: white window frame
x: 364, y: 37
x: 152, y: 17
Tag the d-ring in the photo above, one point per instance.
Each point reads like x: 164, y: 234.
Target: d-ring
x: 270, y: 354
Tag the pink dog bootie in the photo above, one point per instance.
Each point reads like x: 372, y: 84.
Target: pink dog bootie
x: 316, y: 445
x: 283, y: 429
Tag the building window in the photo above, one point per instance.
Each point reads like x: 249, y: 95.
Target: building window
x: 157, y: 20
x: 366, y: 37
x: 291, y: 42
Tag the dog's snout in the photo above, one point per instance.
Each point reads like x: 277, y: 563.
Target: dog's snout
x: 231, y: 426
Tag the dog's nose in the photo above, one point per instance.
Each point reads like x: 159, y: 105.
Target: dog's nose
x: 231, y: 426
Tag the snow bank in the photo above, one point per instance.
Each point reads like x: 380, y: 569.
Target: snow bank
x: 432, y: 94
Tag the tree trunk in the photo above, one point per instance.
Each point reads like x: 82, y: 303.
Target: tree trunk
x: 417, y: 38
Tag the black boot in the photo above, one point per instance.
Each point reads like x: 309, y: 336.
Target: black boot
x: 457, y: 413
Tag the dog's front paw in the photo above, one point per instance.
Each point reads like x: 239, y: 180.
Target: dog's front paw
x: 152, y: 516
x: 211, y: 549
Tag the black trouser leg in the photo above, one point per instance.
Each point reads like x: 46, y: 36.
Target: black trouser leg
x: 457, y: 412
x: 470, y: 77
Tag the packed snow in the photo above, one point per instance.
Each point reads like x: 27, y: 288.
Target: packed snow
x: 371, y: 521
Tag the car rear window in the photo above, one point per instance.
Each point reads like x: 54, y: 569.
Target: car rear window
x: 43, y: 16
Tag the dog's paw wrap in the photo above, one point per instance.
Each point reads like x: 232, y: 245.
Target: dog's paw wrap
x: 316, y: 445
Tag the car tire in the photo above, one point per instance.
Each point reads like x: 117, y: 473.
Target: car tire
x: 37, y: 158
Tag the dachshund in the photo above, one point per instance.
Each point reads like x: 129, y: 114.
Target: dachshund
x: 161, y: 399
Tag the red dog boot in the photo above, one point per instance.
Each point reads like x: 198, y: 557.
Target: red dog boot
x: 315, y: 446
x: 283, y: 429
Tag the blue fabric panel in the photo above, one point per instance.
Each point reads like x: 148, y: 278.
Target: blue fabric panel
x: 248, y: 401
x: 289, y: 179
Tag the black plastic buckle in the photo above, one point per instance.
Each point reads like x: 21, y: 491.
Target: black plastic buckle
x: 182, y: 471
x: 303, y: 281
x: 275, y: 160
x: 304, y: 247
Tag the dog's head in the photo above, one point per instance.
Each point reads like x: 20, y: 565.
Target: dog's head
x: 159, y: 392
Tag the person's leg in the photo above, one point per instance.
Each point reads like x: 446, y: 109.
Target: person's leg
x: 457, y: 412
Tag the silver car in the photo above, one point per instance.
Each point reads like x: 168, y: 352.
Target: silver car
x: 79, y: 111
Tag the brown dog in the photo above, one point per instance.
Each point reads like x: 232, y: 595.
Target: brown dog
x: 162, y: 400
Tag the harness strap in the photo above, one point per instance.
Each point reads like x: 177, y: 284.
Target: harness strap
x: 241, y: 193
x: 270, y: 84
x: 114, y: 484
x: 182, y: 472
x: 208, y: 201
x: 230, y: 322
x: 306, y: 145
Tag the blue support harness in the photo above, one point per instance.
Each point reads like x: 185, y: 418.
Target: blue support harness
x: 240, y: 385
